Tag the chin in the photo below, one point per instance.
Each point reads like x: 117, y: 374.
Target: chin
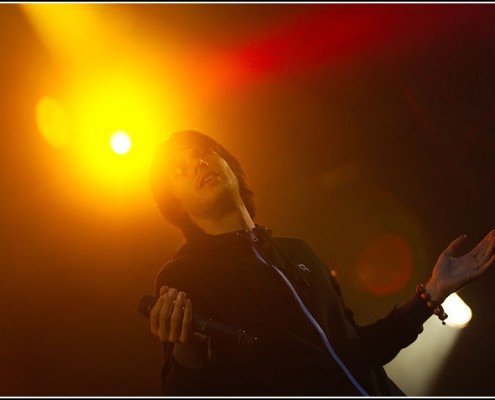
x: 218, y: 199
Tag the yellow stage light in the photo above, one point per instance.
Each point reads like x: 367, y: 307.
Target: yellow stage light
x: 120, y: 142
x: 110, y: 86
x: 117, y: 105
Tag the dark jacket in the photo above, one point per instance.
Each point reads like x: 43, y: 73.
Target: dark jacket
x: 278, y: 290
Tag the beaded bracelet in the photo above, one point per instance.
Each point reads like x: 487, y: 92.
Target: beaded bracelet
x: 436, y: 308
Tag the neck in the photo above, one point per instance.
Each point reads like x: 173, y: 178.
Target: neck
x: 232, y: 221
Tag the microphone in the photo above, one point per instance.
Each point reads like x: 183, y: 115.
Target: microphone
x: 206, y: 326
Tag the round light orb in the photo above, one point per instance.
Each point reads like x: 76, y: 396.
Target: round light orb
x: 120, y: 142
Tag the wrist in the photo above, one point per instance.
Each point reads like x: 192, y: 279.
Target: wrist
x: 191, y: 355
x: 435, y: 307
x: 435, y: 294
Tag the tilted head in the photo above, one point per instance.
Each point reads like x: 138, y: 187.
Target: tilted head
x: 192, y: 175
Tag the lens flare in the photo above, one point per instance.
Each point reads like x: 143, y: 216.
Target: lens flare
x: 120, y: 142
x: 52, y: 121
x: 386, y: 264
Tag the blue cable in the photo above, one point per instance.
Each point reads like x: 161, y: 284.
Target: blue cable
x: 315, y: 324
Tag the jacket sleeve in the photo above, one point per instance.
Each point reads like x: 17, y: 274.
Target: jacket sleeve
x: 176, y: 379
x: 387, y: 336
x: 401, y: 327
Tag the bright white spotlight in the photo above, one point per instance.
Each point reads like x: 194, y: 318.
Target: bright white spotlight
x: 120, y: 142
x: 434, y: 344
x: 459, y: 312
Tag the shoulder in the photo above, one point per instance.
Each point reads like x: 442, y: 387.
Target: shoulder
x: 172, y: 274
x: 299, y: 249
x: 293, y: 245
x: 169, y: 267
x: 289, y: 241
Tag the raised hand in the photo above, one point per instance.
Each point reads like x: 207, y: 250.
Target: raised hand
x: 451, y: 273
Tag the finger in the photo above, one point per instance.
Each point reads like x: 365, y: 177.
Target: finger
x: 163, y: 290
x: 488, y: 263
x: 481, y: 246
x: 488, y: 253
x: 155, y: 315
x: 186, y: 331
x: 176, y: 318
x: 454, y: 245
x: 164, y: 316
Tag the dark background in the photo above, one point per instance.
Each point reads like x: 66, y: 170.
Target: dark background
x: 351, y: 121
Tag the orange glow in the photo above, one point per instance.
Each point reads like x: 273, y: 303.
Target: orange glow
x: 52, y: 122
x: 109, y: 85
x: 385, y: 264
x: 108, y: 103
x: 66, y: 30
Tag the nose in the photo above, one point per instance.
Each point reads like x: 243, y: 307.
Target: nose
x: 190, y: 161
x: 199, y: 163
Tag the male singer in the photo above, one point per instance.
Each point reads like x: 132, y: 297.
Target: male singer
x: 234, y: 271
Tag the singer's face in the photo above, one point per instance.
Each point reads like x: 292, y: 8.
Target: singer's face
x: 202, y: 181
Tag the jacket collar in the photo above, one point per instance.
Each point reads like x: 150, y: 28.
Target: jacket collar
x: 206, y: 243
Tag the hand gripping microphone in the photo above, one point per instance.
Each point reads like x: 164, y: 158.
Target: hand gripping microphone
x: 206, y: 326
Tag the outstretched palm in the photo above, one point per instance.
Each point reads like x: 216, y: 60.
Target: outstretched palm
x: 451, y: 273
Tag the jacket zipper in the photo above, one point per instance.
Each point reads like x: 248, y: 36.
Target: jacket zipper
x: 252, y: 236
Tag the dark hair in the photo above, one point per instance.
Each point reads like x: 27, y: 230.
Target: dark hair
x: 167, y: 203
